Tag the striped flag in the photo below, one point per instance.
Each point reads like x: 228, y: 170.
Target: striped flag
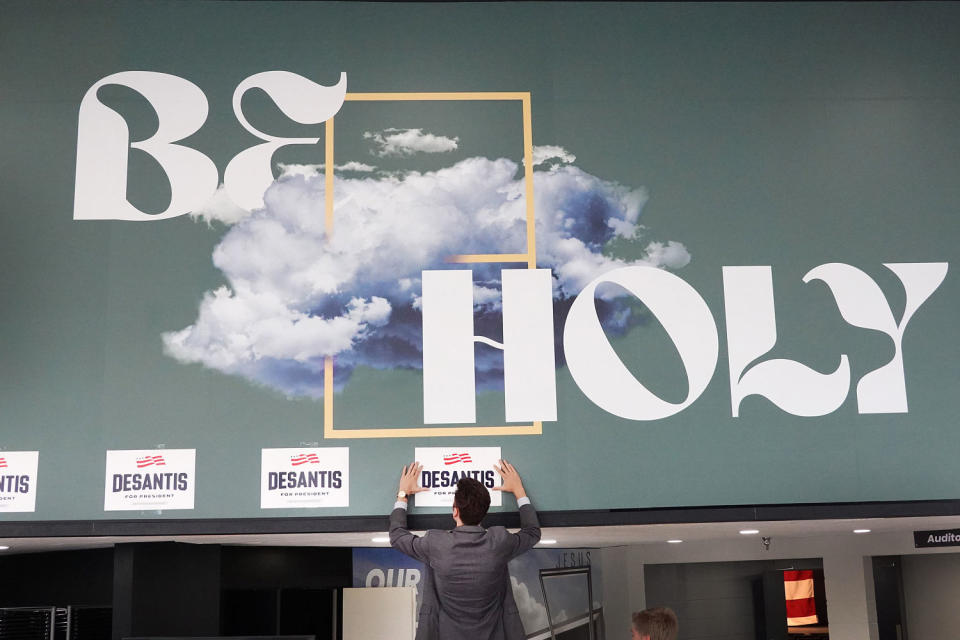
x: 3, y: 463
x: 149, y: 461
x: 798, y: 590
x: 455, y: 458
x: 304, y: 458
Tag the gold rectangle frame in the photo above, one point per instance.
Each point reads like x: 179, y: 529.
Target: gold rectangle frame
x: 530, y: 257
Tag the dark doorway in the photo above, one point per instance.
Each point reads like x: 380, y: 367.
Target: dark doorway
x: 888, y: 588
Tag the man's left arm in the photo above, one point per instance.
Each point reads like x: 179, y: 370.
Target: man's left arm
x: 529, y: 533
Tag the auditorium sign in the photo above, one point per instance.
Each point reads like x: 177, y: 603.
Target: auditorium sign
x: 940, y: 538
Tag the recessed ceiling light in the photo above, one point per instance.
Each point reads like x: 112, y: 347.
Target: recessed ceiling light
x: 548, y: 541
x: 861, y: 530
x: 381, y: 539
x: 674, y: 541
x: 749, y: 532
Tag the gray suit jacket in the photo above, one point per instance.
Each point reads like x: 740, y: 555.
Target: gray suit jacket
x: 466, y: 592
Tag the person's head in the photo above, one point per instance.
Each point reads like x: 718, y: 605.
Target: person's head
x: 470, y: 502
x: 659, y: 623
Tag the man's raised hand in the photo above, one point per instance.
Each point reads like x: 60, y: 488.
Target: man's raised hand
x: 409, y: 478
x: 511, y: 479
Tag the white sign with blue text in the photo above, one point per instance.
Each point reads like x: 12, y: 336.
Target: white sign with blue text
x: 148, y: 479
x: 443, y: 467
x: 302, y: 478
x: 18, y: 481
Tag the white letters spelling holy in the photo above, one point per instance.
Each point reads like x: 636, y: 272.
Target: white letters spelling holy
x: 530, y: 381
x: 103, y: 142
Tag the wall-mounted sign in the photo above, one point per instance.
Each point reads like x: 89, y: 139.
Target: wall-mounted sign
x: 304, y: 478
x: 148, y: 479
x: 379, y: 567
x: 238, y: 251
x: 939, y: 538
x: 18, y: 480
x: 443, y: 467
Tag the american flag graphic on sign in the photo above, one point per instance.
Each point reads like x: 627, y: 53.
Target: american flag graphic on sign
x: 304, y: 458
x: 3, y: 463
x: 456, y: 458
x: 150, y: 461
x: 798, y: 590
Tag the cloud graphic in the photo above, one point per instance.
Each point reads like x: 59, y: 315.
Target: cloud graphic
x: 551, y: 152
x: 295, y: 295
x: 310, y: 170
x: 356, y: 166
x: 532, y: 612
x: 406, y: 142
x: 567, y: 594
x: 220, y: 208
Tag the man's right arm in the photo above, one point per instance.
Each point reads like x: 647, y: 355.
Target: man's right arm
x: 400, y: 538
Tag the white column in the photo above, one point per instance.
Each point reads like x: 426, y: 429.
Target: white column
x: 616, y: 591
x: 848, y: 579
x: 636, y: 581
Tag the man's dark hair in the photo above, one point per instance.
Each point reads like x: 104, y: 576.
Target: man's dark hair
x: 472, y: 500
x: 660, y: 623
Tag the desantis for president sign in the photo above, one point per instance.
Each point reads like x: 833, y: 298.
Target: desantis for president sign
x: 150, y: 479
x: 443, y: 467
x: 18, y: 480
x: 301, y: 478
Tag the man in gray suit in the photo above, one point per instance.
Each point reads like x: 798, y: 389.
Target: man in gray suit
x: 466, y: 592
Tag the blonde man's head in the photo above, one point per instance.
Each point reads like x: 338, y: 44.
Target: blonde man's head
x: 659, y: 623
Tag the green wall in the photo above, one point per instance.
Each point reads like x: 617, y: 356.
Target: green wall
x: 784, y: 135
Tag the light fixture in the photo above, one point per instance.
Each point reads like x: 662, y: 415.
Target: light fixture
x: 548, y: 541
x: 749, y: 532
x: 3, y: 547
x: 381, y: 539
x: 674, y: 541
x: 861, y: 530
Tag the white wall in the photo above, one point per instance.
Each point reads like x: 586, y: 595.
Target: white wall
x: 623, y: 590
x: 382, y: 613
x: 713, y: 600
x: 931, y: 587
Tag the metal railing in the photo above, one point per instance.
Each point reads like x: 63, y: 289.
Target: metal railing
x: 55, y: 623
